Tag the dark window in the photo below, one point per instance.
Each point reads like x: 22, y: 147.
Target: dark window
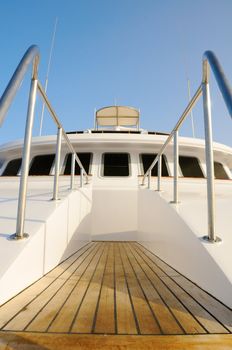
x: 147, y: 159
x: 41, y: 165
x: 12, y: 167
x: 219, y: 171
x: 190, y: 167
x: 85, y: 161
x: 116, y: 164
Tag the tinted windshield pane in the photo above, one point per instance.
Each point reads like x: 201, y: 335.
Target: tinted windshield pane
x: 12, y: 167
x: 147, y: 159
x: 190, y: 167
x: 116, y: 164
x: 219, y: 171
x: 85, y: 161
x: 41, y: 165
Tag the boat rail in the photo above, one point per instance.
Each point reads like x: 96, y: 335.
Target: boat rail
x: 209, y: 59
x: 32, y: 56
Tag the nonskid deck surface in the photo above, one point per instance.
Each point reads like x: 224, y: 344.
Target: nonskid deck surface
x: 115, y: 288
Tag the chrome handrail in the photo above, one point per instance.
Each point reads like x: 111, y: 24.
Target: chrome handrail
x: 176, y: 128
x: 209, y: 58
x: 59, y: 125
x: 32, y: 55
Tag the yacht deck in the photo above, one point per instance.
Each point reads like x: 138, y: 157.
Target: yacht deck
x: 115, y: 288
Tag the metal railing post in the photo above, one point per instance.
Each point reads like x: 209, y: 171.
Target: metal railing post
x: 159, y: 173
x: 72, y: 171
x: 57, y: 164
x: 149, y: 180
x: 81, y: 177
x: 176, y: 166
x: 25, y: 163
x: 209, y: 163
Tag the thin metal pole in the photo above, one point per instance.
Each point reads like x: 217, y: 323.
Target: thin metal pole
x: 25, y: 163
x: 81, y: 177
x: 72, y: 171
x: 191, y: 113
x: 176, y: 165
x: 149, y: 179
x: 209, y: 163
x: 48, y: 70
x: 159, y: 173
x: 57, y: 165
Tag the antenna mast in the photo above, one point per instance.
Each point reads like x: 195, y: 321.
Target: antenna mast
x: 191, y: 113
x: 188, y: 80
x: 48, y: 70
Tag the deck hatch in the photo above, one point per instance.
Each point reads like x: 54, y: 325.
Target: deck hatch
x: 12, y: 167
x: 116, y: 164
x: 190, y: 167
x: 147, y: 159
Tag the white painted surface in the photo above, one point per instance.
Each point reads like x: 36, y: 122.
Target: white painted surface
x: 174, y: 232
x: 114, y: 208
x: 56, y: 231
x: 114, y: 214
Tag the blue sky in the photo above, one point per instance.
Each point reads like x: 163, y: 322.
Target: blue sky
x: 139, y: 52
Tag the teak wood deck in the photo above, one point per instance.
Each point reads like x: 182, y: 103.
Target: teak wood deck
x: 115, y: 288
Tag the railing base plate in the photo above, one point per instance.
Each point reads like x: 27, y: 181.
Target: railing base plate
x: 15, y: 237
x: 208, y: 240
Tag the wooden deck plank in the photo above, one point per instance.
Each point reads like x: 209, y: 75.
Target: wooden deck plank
x: 188, y: 322
x: 115, y: 288
x: 45, y: 317
x: 216, y: 308
x: 124, y: 312
x: 38, y: 341
x: 21, y: 320
x: 61, y: 268
x: 166, y: 319
x: 13, y: 306
x: 209, y: 322
x: 105, y: 320
x: 65, y: 317
x: 85, y: 317
x: 165, y: 269
x: 146, y: 321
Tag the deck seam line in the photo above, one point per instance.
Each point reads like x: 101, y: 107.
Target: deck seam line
x: 115, y: 300
x: 76, y: 284
x: 82, y: 299
x: 85, y: 246
x: 179, y: 273
x: 207, y: 332
x: 53, y: 281
x: 65, y: 282
x: 168, y: 307
x: 99, y: 295
x: 129, y: 294
x: 202, y: 306
x: 148, y: 303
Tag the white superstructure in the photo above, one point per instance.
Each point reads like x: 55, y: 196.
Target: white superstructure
x: 114, y: 205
